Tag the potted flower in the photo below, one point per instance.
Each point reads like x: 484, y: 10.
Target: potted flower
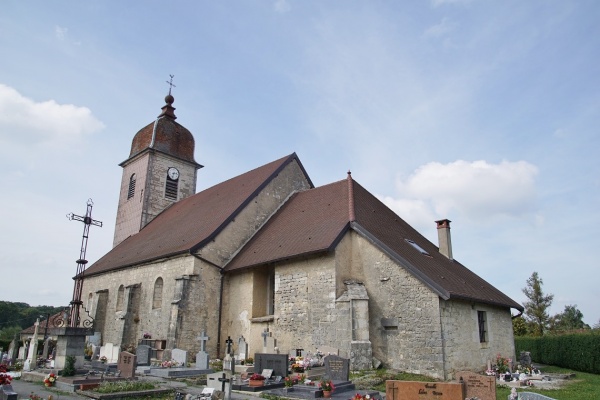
x: 327, y: 387
x: 103, y: 359
x: 50, y: 379
x: 288, y: 382
x: 256, y: 380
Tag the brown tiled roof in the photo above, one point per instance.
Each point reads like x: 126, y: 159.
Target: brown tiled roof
x: 315, y: 220
x: 51, y: 324
x: 190, y: 222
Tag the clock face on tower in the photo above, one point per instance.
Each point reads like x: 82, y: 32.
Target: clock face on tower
x: 173, y: 173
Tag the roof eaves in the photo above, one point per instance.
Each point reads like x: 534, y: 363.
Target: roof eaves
x: 243, y: 205
x: 514, y: 304
x: 440, y: 291
x: 124, y: 266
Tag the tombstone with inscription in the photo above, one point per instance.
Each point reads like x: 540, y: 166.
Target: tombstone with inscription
x: 279, y: 363
x: 525, y: 359
x: 337, y: 368
x: 142, y: 353
x: 482, y: 387
x: 180, y: 357
x: 126, y: 364
x: 410, y: 390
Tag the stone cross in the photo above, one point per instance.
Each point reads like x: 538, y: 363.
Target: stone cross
x: 229, y: 342
x: 203, y: 339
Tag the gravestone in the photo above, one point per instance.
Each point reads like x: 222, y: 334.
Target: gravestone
x: 337, y: 368
x: 202, y: 358
x: 409, y: 390
x: 126, y: 365
x: 481, y: 386
x: 143, y: 354
x: 21, y: 354
x: 279, y: 363
x: 110, y: 351
x: 180, y: 356
x: 95, y: 352
x: 242, y: 349
x: 525, y: 358
x: 7, y: 393
x: 220, y: 381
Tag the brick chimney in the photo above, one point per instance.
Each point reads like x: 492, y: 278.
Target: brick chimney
x: 444, y: 240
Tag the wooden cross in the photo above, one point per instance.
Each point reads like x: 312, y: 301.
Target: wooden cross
x: 203, y: 339
x: 229, y: 342
x: 171, y: 85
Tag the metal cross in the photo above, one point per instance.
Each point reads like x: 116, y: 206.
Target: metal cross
x: 229, y: 342
x: 265, y: 335
x: 171, y: 85
x: 203, y: 339
x: 87, y: 220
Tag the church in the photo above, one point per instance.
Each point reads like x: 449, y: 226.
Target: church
x: 267, y: 251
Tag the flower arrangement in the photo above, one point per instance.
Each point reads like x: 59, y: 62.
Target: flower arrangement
x: 50, y: 379
x: 502, y: 363
x: 5, y: 379
x: 297, y: 364
x: 288, y: 382
x: 147, y: 335
x: 3, y: 368
x: 33, y: 396
x: 490, y: 372
x: 103, y: 359
x: 327, y: 386
x: 169, y: 364
x: 359, y: 396
x: 257, y: 377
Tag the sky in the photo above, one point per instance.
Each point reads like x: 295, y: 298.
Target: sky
x: 483, y: 112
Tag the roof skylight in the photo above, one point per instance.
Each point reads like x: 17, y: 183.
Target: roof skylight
x: 417, y: 247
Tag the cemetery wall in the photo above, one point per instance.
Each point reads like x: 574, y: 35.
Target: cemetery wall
x: 291, y: 179
x: 404, y: 314
x: 461, y: 333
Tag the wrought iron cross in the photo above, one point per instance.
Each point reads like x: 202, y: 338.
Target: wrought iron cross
x: 229, y: 342
x: 87, y: 220
x: 170, y: 82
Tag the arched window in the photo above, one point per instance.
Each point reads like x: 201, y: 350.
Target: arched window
x: 157, y: 297
x: 120, y: 298
x: 131, y: 190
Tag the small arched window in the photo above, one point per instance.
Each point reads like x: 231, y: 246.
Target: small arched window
x: 157, y: 297
x: 131, y: 190
x: 120, y: 298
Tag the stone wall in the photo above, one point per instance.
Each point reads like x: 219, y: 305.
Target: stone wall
x: 461, y: 335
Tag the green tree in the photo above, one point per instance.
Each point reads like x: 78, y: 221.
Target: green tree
x: 536, y: 307
x: 519, y: 326
x: 8, y: 333
x: 571, y: 318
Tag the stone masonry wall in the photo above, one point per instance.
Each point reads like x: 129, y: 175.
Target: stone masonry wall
x: 201, y: 303
x: 461, y: 335
x: 405, y: 330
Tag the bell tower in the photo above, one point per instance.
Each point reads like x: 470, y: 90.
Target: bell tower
x: 160, y: 171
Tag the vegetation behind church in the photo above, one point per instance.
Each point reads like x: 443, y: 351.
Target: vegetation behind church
x: 14, y: 317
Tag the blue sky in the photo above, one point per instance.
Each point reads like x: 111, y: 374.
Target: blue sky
x: 486, y: 113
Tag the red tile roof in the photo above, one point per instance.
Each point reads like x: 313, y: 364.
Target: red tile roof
x: 315, y: 220
x: 190, y: 222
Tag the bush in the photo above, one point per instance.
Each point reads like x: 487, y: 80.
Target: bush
x: 69, y: 369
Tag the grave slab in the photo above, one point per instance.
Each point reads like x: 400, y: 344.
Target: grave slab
x: 410, y: 390
x: 279, y: 363
x: 143, y: 354
x: 477, y: 385
x: 337, y: 368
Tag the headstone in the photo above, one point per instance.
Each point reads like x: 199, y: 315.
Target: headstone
x: 337, y: 368
x: 242, y: 349
x: 7, y: 393
x: 202, y: 358
x: 409, y: 390
x: 46, y: 348
x: 142, y: 353
x: 115, y: 354
x: 32, y: 354
x: 107, y: 351
x: 95, y: 352
x: 180, y: 356
x: 279, y: 363
x: 327, y: 350
x: 21, y: 354
x: 525, y: 358
x: 481, y: 386
x: 271, y: 345
x: 216, y: 381
x: 126, y: 365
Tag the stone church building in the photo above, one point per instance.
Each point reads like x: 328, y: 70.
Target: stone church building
x: 317, y: 267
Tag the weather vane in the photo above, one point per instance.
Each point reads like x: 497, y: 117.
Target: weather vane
x: 171, y: 85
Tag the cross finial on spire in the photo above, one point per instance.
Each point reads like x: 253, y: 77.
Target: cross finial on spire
x: 170, y: 82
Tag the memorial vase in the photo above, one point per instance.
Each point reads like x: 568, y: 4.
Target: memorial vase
x: 252, y: 383
x: 327, y: 394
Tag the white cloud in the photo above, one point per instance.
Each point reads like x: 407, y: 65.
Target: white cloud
x: 442, y: 29
x: 473, y: 190
x: 282, y: 6
x: 25, y: 121
x: 60, y: 32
